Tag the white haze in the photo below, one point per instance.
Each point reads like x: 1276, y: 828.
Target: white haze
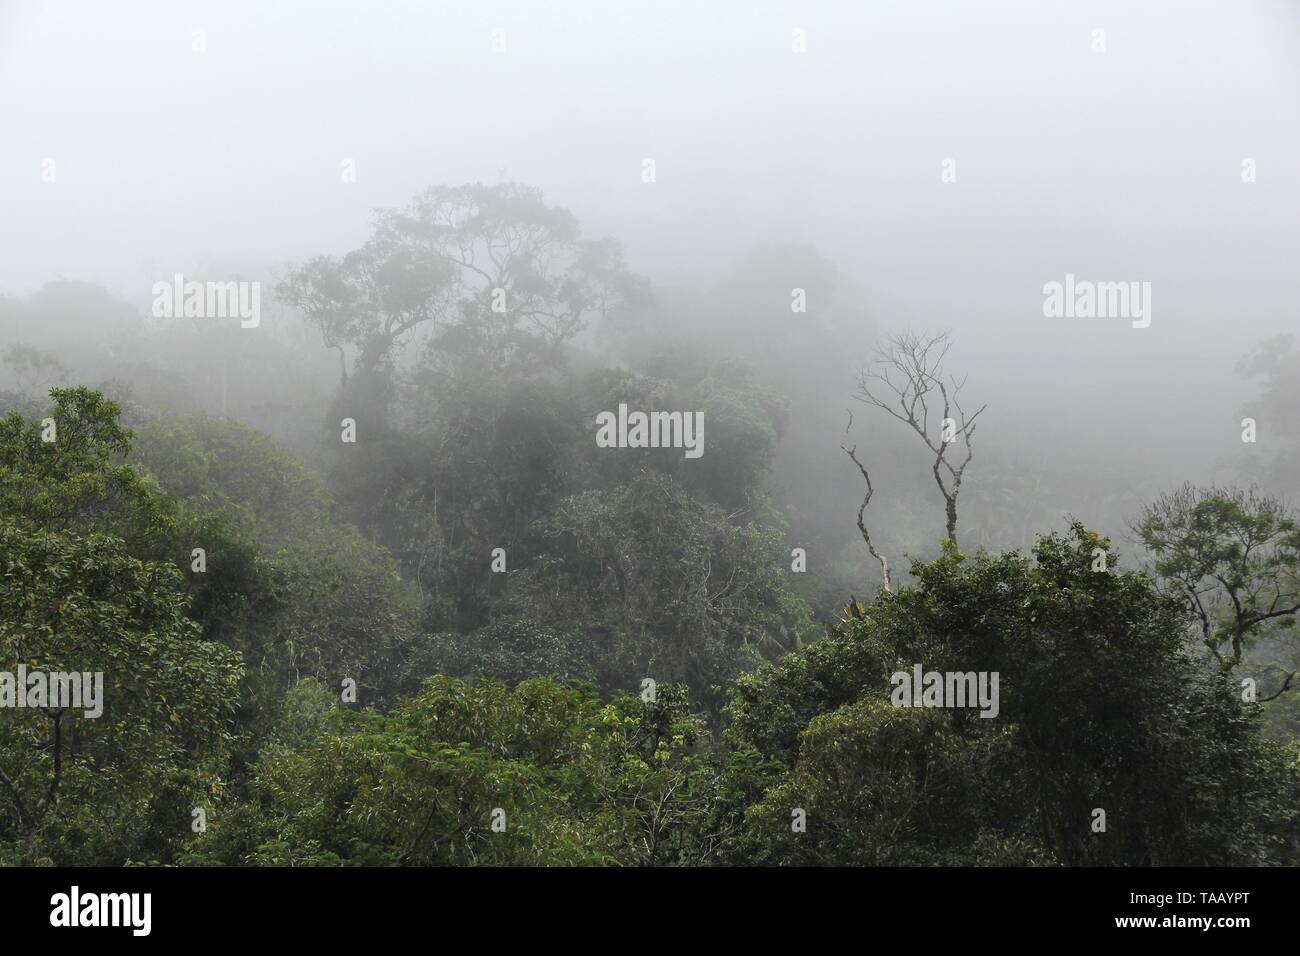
x: 1118, y: 166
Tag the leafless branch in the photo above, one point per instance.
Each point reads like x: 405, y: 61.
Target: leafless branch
x: 906, y: 381
x: 862, y: 527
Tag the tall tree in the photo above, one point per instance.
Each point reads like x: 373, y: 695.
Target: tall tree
x: 490, y: 269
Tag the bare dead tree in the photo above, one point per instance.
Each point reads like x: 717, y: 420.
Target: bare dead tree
x: 907, y: 380
x: 862, y: 527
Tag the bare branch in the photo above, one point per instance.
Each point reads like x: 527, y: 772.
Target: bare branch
x: 906, y: 381
x: 862, y: 527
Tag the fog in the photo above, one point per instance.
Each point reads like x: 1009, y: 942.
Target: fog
x: 209, y: 138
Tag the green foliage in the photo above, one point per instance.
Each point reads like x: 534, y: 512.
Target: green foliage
x: 340, y: 610
x: 567, y: 780
x: 615, y: 572
x: 221, y: 466
x: 1100, y: 707
x: 1233, y: 556
x: 72, y: 603
x: 508, y: 649
x: 296, y: 594
x: 769, y: 707
x: 77, y: 479
x: 667, y: 585
x: 884, y: 786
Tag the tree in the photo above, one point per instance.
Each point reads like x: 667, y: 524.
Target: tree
x: 862, y: 510
x: 466, y: 774
x: 509, y: 649
x: 451, y: 324
x: 80, y: 593
x: 666, y: 585
x: 1097, y: 698
x: 69, y: 473
x: 906, y: 380
x: 489, y: 461
x: 884, y: 786
x: 298, y: 595
x: 1233, y: 555
x: 81, y: 788
x: 212, y: 465
x: 490, y: 270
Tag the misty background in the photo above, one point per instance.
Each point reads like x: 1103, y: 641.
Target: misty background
x: 207, y: 139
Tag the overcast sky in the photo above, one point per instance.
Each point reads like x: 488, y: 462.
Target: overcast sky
x: 1117, y: 165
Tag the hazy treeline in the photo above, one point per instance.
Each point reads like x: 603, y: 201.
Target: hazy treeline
x: 364, y: 588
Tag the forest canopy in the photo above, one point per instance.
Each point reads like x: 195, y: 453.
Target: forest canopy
x: 408, y: 609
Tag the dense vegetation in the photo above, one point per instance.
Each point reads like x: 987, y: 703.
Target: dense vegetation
x: 471, y: 636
